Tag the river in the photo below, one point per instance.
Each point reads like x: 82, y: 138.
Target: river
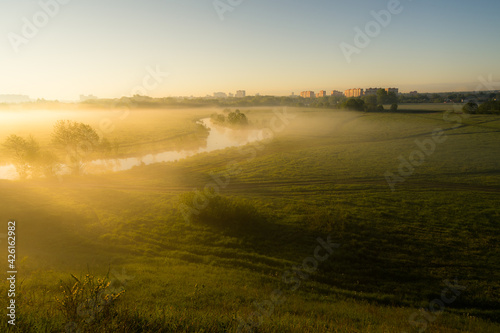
x: 218, y: 138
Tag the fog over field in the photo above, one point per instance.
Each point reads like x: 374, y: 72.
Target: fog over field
x: 317, y: 206
x: 250, y: 166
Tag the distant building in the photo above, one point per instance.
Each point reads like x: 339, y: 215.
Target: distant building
x: 322, y: 93
x: 357, y: 92
x: 371, y: 91
x: 230, y: 95
x: 240, y: 93
x: 414, y: 92
x: 393, y: 90
x: 14, y: 99
x: 307, y: 94
x: 220, y: 95
x: 84, y: 98
x: 336, y: 93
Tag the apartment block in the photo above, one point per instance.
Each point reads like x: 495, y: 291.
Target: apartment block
x: 357, y: 92
x: 307, y: 94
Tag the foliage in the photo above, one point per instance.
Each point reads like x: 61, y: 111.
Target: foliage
x: 236, y: 118
x: 370, y: 99
x: 381, y: 96
x: 470, y: 107
x: 222, y: 212
x: 354, y: 104
x: 394, y: 107
x: 78, y: 141
x: 29, y: 159
x: 87, y: 303
x: 490, y: 107
x: 75, y: 136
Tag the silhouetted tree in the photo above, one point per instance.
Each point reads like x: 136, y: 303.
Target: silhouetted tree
x: 78, y: 140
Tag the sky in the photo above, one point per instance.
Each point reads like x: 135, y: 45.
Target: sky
x: 109, y: 48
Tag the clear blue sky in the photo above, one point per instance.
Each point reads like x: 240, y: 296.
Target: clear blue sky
x: 262, y: 46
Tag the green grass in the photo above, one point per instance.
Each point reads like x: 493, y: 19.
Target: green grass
x: 323, y: 175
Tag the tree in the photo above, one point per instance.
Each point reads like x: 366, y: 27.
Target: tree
x: 370, y: 102
x: 48, y: 164
x: 354, y: 104
x: 489, y: 107
x: 391, y: 98
x: 25, y: 153
x: 394, y: 107
x: 370, y: 99
x: 29, y: 159
x: 380, y: 108
x: 381, y: 96
x: 237, y: 118
x: 470, y: 107
x: 78, y: 140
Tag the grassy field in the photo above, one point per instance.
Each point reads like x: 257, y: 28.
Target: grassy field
x: 246, y: 260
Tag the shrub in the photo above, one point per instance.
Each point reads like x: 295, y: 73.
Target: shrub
x: 470, y: 107
x: 219, y: 211
x: 86, y: 303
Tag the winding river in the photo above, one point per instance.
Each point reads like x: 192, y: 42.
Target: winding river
x: 218, y: 138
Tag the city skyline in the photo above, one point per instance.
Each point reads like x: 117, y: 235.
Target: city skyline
x: 58, y: 49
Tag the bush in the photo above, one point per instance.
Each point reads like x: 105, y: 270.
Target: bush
x: 394, y: 107
x: 86, y: 303
x: 470, y: 107
x: 219, y: 211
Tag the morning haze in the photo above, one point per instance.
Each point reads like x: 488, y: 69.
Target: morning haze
x: 250, y: 166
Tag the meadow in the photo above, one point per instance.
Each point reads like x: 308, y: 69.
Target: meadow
x: 242, y: 261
